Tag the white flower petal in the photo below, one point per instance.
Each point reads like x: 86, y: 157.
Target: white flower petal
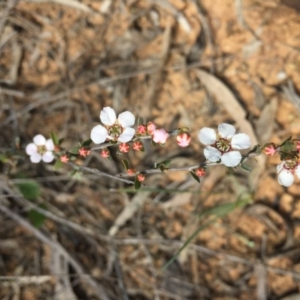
x: 99, y: 134
x: 108, y: 116
x: 126, y: 119
x: 226, y: 130
x: 48, y: 157
x: 279, y: 167
x: 31, y: 149
x: 207, y: 136
x: 240, y: 141
x: 285, y: 178
x: 35, y: 158
x: 39, y: 140
x: 212, y: 154
x: 297, y: 171
x: 126, y: 135
x: 49, y: 145
x: 231, y: 159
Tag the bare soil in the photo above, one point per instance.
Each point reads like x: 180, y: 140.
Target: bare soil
x: 177, y: 63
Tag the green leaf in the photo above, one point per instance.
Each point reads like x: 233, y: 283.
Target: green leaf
x: 256, y: 149
x: 195, y: 176
x: 87, y: 143
x: 30, y: 190
x: 125, y: 164
x: 4, y: 158
x: 245, y: 167
x: 183, y: 129
x: 288, y: 147
x: 75, y: 150
x: 165, y: 164
x: 162, y: 168
x: 137, y: 184
x: 288, y: 139
x: 140, y: 121
x: 36, y: 218
x: 58, y: 165
x: 223, y: 209
x: 76, y: 174
x: 55, y: 138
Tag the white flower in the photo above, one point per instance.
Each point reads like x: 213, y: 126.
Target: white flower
x: 286, y: 171
x: 222, y: 145
x: 40, y: 149
x: 115, y: 129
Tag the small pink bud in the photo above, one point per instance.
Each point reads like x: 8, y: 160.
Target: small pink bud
x: 84, y: 152
x: 105, y: 153
x: 270, y: 149
x: 141, y: 177
x: 137, y: 146
x: 64, y: 158
x: 200, y: 172
x: 142, y: 129
x: 130, y: 172
x: 183, y: 139
x: 124, y: 147
x: 151, y: 127
x: 160, y: 136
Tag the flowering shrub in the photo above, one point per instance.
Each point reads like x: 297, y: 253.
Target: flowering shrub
x: 221, y: 147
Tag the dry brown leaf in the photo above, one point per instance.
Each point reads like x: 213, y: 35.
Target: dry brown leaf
x: 264, y: 125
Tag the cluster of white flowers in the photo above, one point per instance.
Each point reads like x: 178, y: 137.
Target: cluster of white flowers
x: 222, y: 146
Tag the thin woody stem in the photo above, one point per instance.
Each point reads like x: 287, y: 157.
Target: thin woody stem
x: 121, y: 176
x: 188, y: 168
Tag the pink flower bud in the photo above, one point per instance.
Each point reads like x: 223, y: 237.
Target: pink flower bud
x: 84, y: 152
x: 160, y: 136
x: 183, y: 139
x: 137, y: 146
x: 142, y: 129
x: 200, y: 172
x: 64, y: 158
x: 130, y: 172
x: 105, y: 153
x: 151, y: 127
x: 270, y: 149
x: 141, y: 177
x: 124, y: 147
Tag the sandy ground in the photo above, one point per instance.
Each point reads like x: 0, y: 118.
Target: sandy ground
x: 177, y: 63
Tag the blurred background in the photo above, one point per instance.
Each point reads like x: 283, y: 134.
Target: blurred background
x: 178, y: 63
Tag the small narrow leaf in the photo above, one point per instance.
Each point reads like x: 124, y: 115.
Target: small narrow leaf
x: 36, y: 218
x: 125, y: 163
x: 162, y: 167
x: 140, y: 121
x: 195, y: 176
x: 74, y: 150
x: 137, y: 184
x: 55, y: 138
x: 30, y: 190
x: 285, y: 141
x: 245, y: 167
x: 87, y: 142
x: 165, y: 164
x: 58, y: 165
